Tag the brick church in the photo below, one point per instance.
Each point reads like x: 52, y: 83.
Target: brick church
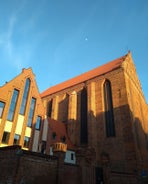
x: 91, y: 129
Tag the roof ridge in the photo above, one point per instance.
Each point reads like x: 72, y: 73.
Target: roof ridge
x: 100, y: 70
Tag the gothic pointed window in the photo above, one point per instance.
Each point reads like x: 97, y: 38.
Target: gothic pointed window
x: 49, y: 108
x: 25, y: 96
x: 108, y: 106
x: 83, y: 131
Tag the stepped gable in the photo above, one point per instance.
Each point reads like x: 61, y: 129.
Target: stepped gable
x: 85, y: 76
x: 60, y: 129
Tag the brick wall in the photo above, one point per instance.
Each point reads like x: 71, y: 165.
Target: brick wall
x: 19, y: 166
x: 6, y: 93
x: 130, y: 118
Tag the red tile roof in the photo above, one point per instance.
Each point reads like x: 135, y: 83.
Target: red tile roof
x: 60, y: 129
x: 85, y: 76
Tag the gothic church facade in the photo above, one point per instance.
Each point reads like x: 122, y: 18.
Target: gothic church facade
x: 105, y: 111
x: 100, y: 115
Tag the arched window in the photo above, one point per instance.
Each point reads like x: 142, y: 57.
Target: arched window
x: 25, y: 96
x: 108, y: 105
x: 83, y: 131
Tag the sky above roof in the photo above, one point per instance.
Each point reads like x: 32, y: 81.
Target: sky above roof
x: 63, y: 39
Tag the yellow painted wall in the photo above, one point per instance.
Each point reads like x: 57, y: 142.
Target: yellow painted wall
x: 19, y: 125
x: 8, y: 126
x: 28, y: 132
x: 3, y: 145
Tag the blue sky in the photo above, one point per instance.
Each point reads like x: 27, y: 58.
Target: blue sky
x: 61, y: 39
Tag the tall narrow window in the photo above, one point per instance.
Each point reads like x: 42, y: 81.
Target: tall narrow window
x: 83, y: 131
x: 49, y: 108
x: 13, y: 105
x: 38, y: 123
x: 26, y: 142
x: 30, y: 117
x: 108, y: 104
x: 16, y: 139
x: 54, y: 135
x: 72, y: 156
x: 2, y: 105
x: 43, y: 147
x: 5, y: 138
x: 99, y: 175
x: 25, y: 96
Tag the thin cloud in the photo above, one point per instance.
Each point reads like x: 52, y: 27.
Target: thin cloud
x: 6, y: 40
x: 7, y: 44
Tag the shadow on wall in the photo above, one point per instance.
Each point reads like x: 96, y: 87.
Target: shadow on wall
x: 127, y: 151
x: 123, y: 155
x: 63, y: 109
x: 121, y: 158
